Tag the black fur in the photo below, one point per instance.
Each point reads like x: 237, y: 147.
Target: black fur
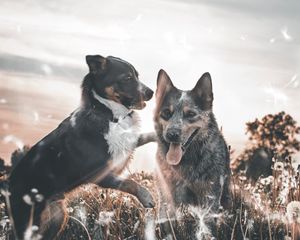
x: 77, y: 152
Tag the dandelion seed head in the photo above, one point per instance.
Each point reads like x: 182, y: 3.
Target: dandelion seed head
x: 105, y: 218
x: 31, y: 233
x: 293, y: 212
x: 27, y: 199
x: 278, y: 166
x: 265, y: 181
x: 39, y: 197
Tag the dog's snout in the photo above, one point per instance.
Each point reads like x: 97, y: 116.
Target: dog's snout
x: 173, y: 135
x: 148, y: 94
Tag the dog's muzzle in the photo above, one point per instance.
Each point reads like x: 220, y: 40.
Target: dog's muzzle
x: 176, y: 150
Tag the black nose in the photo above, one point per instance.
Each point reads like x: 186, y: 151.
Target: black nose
x: 148, y: 94
x: 173, y: 135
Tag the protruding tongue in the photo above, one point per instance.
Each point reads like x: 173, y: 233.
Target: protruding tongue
x: 174, y: 154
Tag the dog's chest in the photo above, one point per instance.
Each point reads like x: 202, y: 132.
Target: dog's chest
x: 122, y: 137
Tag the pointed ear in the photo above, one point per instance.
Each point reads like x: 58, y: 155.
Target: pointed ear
x: 96, y: 63
x: 203, y: 92
x: 164, y: 84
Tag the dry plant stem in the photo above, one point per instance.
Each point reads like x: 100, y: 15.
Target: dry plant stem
x: 171, y: 225
x: 84, y: 227
x: 31, y: 216
x: 260, y: 231
x: 269, y: 227
x: 293, y: 231
x: 234, y: 225
x: 90, y: 207
x: 246, y: 230
x: 241, y: 226
x: 234, y: 189
x: 10, y: 215
x: 274, y: 188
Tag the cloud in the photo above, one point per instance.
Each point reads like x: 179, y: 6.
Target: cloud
x: 19, y: 64
x: 263, y: 9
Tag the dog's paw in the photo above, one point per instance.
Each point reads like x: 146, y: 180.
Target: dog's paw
x: 145, y: 197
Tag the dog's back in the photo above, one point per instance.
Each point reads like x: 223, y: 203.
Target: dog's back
x: 192, y: 153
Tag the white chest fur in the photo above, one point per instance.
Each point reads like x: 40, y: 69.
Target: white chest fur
x: 122, y: 136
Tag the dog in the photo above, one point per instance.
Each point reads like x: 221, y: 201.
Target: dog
x: 192, y: 155
x: 92, y: 145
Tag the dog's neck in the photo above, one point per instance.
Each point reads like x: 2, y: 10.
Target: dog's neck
x: 119, y: 111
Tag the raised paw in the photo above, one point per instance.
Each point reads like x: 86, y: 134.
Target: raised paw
x: 145, y: 197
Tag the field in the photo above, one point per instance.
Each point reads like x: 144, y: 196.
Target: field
x: 265, y: 198
x: 268, y: 210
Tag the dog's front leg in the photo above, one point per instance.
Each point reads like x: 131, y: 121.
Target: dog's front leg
x: 129, y: 186
x: 145, y: 138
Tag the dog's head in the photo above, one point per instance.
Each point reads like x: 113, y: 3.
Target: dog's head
x: 117, y: 80
x: 181, y: 116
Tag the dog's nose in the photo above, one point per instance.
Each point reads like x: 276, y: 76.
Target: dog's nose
x: 148, y: 94
x: 173, y: 135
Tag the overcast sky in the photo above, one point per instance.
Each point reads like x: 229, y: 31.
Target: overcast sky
x: 251, y: 48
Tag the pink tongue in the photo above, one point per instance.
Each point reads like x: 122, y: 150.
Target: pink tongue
x: 174, y: 154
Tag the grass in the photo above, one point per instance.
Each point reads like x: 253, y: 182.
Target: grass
x: 266, y: 209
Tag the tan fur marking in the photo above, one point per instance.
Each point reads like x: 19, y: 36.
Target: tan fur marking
x: 111, y: 94
x: 186, y: 109
x: 54, y: 219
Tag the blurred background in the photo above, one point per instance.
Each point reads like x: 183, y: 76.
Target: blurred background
x: 251, y: 48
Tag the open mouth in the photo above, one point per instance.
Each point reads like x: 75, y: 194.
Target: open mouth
x: 130, y: 103
x: 140, y: 106
x: 176, y: 150
x: 137, y: 105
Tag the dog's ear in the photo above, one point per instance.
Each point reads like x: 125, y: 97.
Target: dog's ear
x: 203, y: 92
x: 96, y: 63
x: 164, y: 85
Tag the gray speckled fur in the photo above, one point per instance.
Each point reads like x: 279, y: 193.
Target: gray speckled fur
x: 196, y: 180
x: 202, y: 177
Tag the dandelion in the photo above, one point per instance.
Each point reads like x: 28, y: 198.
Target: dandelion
x: 204, y: 216
x: 31, y: 233
x: 70, y: 210
x: 265, y: 181
x: 271, y: 179
x: 247, y: 187
x: 105, y: 218
x: 293, y: 212
x: 250, y: 224
x: 278, y: 166
x: 242, y: 178
x: 39, y: 197
x: 27, y: 199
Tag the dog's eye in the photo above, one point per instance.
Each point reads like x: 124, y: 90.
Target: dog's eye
x: 166, y: 114
x: 190, y: 114
x: 127, y: 79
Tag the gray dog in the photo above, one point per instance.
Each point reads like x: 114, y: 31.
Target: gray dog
x: 192, y: 154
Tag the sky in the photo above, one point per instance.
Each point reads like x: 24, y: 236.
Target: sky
x: 251, y: 48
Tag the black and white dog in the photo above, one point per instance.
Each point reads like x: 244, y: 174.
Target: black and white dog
x: 93, y: 145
